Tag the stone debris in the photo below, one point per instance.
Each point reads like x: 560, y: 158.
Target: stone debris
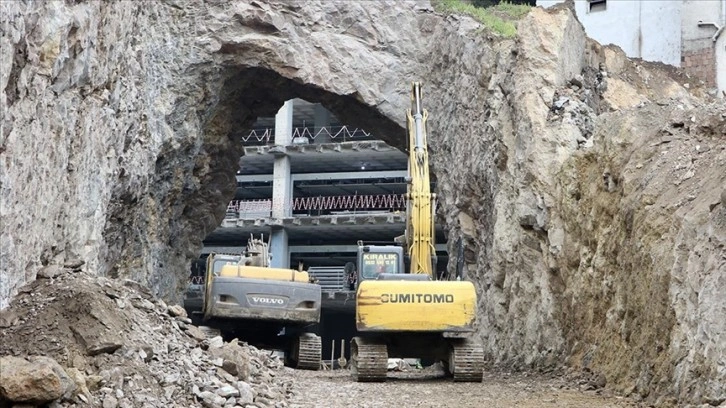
x: 579, y: 103
x: 74, y: 265
x: 66, y: 343
x: 50, y: 272
x: 407, y: 364
x: 8, y: 318
x: 36, y: 379
x: 177, y: 311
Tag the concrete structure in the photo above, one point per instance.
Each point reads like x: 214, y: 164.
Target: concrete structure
x: 315, y: 187
x: 703, y: 48
x: 281, y: 187
x: 650, y: 30
x: 683, y: 33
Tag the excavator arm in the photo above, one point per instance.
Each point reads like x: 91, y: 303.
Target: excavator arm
x: 421, y: 206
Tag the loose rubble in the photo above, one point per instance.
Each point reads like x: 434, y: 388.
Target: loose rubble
x: 78, y: 340
x: 578, y: 103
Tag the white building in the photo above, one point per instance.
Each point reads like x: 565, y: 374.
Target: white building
x: 683, y: 33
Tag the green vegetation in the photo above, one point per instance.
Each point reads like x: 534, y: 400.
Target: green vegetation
x: 515, y: 11
x: 499, y: 18
x: 489, y: 3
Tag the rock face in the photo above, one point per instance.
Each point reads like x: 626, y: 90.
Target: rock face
x: 586, y: 187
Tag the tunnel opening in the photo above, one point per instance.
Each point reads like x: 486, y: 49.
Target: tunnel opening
x: 371, y: 156
x: 251, y: 93
x: 336, y: 166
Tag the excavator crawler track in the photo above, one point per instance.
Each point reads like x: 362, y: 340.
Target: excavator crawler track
x: 309, y: 352
x: 466, y: 361
x: 369, y: 360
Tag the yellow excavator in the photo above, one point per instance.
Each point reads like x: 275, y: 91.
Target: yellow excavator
x: 409, y: 313
x: 270, y: 307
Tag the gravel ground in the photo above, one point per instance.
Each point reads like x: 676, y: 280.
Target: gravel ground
x: 429, y: 388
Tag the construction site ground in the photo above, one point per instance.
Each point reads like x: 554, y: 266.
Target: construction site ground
x: 431, y: 388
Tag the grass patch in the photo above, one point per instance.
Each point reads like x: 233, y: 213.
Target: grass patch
x: 500, y: 18
x: 514, y: 11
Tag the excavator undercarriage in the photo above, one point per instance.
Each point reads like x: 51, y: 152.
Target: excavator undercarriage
x: 463, y: 358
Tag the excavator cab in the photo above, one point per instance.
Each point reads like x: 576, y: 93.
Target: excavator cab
x: 375, y: 262
x: 384, y: 262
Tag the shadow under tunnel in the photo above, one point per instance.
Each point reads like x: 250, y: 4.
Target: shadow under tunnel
x: 336, y: 329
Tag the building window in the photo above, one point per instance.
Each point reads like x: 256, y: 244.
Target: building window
x: 597, y: 5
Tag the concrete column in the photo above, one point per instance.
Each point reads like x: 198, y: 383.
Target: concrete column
x: 281, y: 177
x: 322, y: 119
x: 279, y: 248
x: 281, y: 187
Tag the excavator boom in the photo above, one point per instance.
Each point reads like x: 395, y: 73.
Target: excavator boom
x: 421, y: 203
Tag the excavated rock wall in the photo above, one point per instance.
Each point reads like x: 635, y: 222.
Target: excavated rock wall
x: 586, y: 187
x: 94, y: 101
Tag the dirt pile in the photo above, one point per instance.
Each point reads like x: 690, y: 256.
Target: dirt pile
x: 112, y: 344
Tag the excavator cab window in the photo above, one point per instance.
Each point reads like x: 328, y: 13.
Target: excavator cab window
x: 217, y: 266
x: 219, y: 261
x: 375, y: 263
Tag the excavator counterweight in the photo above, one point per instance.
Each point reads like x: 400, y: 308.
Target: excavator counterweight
x: 246, y: 298
x: 416, y: 306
